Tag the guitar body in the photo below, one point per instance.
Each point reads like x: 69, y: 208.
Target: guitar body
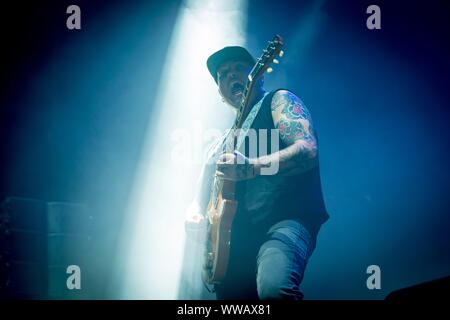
x: 221, y: 214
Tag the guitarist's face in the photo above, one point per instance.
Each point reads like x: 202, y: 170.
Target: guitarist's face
x: 231, y: 79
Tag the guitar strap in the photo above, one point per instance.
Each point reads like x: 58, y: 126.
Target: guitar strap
x: 245, y: 126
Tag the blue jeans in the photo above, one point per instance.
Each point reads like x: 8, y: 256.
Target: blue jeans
x: 269, y: 269
x: 282, y: 260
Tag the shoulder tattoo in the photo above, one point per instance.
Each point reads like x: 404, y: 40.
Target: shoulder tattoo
x: 294, y: 118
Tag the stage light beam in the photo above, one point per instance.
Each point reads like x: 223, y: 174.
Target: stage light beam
x: 164, y: 185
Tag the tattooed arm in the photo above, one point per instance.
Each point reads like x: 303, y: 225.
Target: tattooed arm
x: 292, y: 119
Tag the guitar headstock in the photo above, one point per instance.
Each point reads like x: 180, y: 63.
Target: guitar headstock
x: 263, y: 64
x: 269, y: 56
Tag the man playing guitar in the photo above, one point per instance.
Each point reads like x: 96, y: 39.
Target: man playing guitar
x: 278, y: 215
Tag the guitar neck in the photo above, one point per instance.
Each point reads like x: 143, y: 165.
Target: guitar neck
x: 244, y: 105
x: 261, y: 65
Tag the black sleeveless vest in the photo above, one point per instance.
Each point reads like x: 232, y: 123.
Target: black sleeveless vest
x: 268, y: 199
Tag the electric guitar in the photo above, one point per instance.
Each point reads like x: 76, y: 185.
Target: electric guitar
x: 222, y: 204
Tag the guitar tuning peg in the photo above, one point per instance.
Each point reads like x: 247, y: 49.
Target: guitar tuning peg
x: 276, y: 61
x: 269, y: 70
x: 281, y: 53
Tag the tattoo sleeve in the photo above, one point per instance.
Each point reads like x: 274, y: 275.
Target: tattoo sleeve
x: 293, y: 120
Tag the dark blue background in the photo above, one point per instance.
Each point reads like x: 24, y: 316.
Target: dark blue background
x: 74, y: 112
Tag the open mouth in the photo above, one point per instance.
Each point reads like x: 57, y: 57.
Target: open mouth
x: 237, y: 88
